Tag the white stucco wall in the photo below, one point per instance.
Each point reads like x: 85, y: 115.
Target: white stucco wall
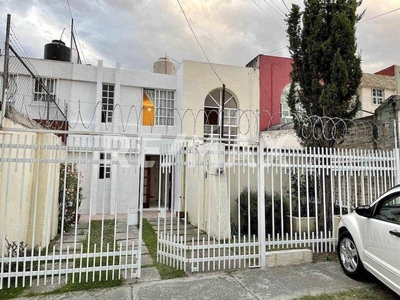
x: 198, y: 79
x: 207, y: 199
x: 281, y: 139
x: 29, y: 189
x: 366, y: 97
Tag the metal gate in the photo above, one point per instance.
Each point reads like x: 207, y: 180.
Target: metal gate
x: 235, y: 202
x: 69, y: 212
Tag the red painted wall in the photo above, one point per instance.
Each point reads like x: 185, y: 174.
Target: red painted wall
x: 274, y: 76
x: 388, y: 71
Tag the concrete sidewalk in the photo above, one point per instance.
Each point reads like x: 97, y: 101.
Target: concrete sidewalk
x: 269, y: 283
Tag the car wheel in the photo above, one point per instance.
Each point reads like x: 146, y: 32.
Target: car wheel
x: 348, y: 256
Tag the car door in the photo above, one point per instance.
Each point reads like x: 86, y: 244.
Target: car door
x: 382, y: 241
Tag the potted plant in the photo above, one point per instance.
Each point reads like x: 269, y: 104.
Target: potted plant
x: 302, y: 217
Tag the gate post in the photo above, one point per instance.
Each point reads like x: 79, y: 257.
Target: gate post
x: 140, y: 208
x: 261, y: 203
x: 5, y: 71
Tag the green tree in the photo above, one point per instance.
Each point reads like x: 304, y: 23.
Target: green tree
x: 326, y: 73
x: 326, y: 69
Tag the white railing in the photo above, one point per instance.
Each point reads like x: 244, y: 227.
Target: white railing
x: 280, y: 198
x: 60, y: 222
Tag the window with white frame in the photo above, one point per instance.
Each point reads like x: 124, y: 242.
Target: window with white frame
x: 40, y: 93
x: 377, y: 96
x: 163, y: 103
x: 213, y: 122
x: 107, y: 103
x: 105, y: 166
x: 286, y: 117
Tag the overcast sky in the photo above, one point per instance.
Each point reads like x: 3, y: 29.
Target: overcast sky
x: 137, y: 32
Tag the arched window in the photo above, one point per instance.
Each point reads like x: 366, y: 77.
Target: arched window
x: 286, y: 118
x: 213, y: 115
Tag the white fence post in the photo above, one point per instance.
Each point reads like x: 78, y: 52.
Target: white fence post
x: 396, y: 154
x: 261, y: 203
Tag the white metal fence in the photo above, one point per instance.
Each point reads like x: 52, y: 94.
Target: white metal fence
x: 69, y: 212
x: 235, y: 202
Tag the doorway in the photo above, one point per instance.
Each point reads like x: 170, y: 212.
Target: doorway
x: 151, y: 181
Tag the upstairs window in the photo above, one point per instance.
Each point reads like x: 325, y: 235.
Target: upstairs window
x: 158, y: 107
x: 105, y: 166
x: 40, y: 93
x: 377, y: 96
x: 213, y: 114
x: 286, y: 117
x: 107, y: 103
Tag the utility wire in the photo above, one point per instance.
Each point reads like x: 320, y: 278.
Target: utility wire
x: 279, y: 13
x: 187, y: 20
x: 277, y: 7
x: 69, y: 8
x: 174, y: 59
x: 283, y: 1
x: 275, y: 50
x: 386, y: 13
x: 268, y: 14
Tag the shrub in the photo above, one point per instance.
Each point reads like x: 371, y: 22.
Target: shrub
x: 306, y: 191
x: 278, y: 214
x: 73, y: 196
x: 14, y: 249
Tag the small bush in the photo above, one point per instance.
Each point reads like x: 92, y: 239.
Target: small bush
x: 250, y: 196
x: 14, y: 249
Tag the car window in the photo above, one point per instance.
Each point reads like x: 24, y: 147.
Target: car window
x: 389, y: 209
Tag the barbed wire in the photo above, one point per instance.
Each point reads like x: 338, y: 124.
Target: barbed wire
x: 129, y: 119
x: 86, y: 115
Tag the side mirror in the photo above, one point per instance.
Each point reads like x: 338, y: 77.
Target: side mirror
x: 364, y: 210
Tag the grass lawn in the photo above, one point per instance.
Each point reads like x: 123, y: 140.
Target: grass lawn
x: 95, y: 238
x: 150, y: 239
x: 12, y: 292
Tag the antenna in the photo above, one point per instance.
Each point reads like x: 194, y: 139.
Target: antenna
x: 62, y: 34
x: 73, y: 42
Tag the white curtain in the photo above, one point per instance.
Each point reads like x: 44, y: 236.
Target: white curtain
x: 151, y: 95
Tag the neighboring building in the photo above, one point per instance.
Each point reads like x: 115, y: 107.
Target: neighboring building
x: 389, y: 110
x: 274, y: 86
x: 373, y: 90
x: 103, y: 100
x: 393, y: 71
x: 275, y: 82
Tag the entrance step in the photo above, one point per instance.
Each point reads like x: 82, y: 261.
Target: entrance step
x: 288, y: 257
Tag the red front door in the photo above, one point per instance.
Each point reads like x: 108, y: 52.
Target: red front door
x: 146, y: 188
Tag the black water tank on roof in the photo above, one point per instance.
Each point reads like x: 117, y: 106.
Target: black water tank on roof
x: 56, y: 50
